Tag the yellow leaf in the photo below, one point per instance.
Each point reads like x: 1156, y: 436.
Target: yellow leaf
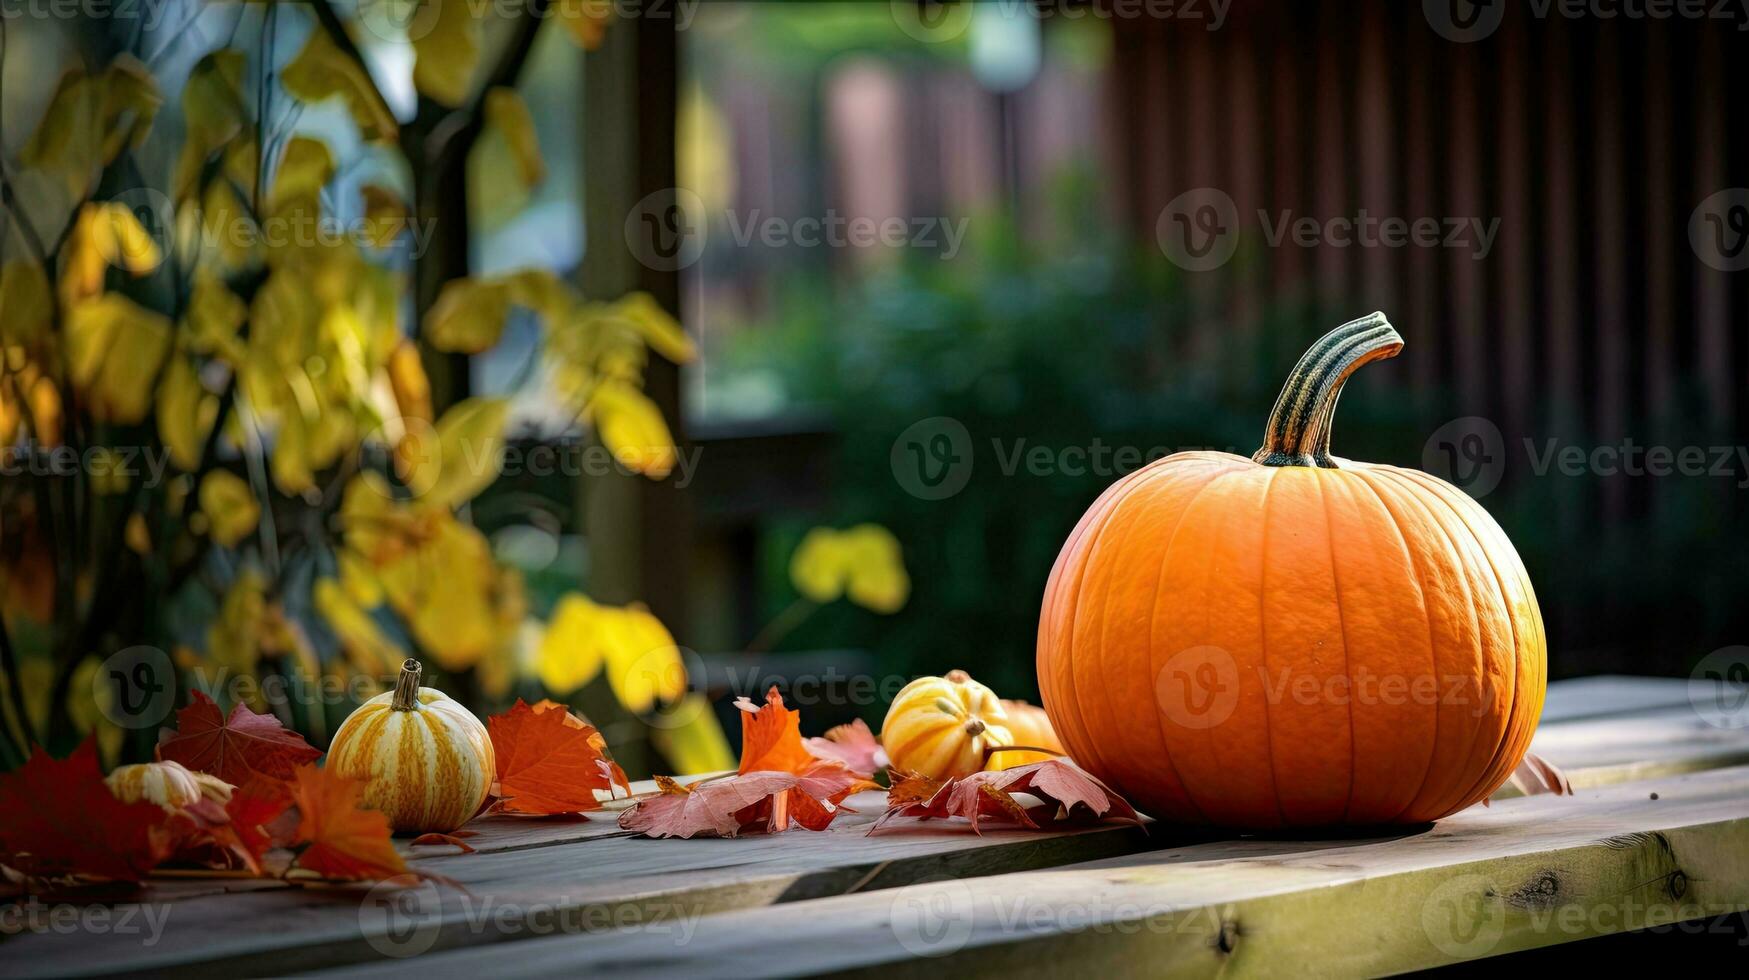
x: 408, y: 381
x: 658, y: 329
x: 385, y: 215
x: 114, y: 348
x: 468, y: 316
x: 689, y: 737
x: 90, y: 120
x: 631, y: 427
x: 186, y: 412
x: 507, y: 116
x: 363, y: 641
x: 863, y: 562
x: 571, y: 650
x: 470, y: 453
x: 109, y: 472
x: 214, y: 316
x: 138, y: 538
x: 321, y: 70
x: 103, y: 235
x: 68, y: 140
x: 230, y: 507
x: 818, y: 568
x: 25, y: 306
x: 877, y: 578
x: 212, y: 114
x: 643, y: 661
x: 445, y: 56
x: 130, y: 102
x: 233, y: 639
x: 547, y: 295
x: 304, y: 169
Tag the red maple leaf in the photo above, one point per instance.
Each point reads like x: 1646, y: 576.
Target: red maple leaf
x: 760, y: 797
x: 549, y: 761
x: 236, y: 749
x: 336, y: 837
x: 57, y: 818
x: 852, y: 744
x: 1067, y: 794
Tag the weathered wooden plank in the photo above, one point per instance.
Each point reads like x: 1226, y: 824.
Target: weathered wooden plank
x: 1525, y: 873
x: 587, y: 870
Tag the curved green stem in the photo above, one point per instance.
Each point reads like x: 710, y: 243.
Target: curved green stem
x: 1299, y: 425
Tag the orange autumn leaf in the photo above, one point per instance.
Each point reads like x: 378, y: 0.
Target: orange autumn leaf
x: 780, y: 784
x: 771, y: 737
x: 238, y: 748
x: 336, y: 836
x: 549, y: 761
x: 58, y: 818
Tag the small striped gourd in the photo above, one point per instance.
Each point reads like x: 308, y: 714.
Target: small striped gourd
x: 169, y: 784
x: 944, y: 727
x: 426, y: 761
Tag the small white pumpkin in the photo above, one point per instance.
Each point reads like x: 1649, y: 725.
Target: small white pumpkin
x: 169, y: 784
x: 426, y: 761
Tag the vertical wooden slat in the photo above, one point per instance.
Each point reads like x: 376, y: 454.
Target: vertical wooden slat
x: 1245, y: 161
x: 1664, y: 221
x: 1712, y: 304
x: 1330, y: 155
x: 1515, y: 297
x: 1561, y: 220
x: 1376, y: 156
x: 1608, y: 194
x: 1463, y: 200
x: 1422, y: 301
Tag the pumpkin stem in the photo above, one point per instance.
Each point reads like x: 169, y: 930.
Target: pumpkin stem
x: 975, y: 726
x: 407, y: 686
x: 1299, y: 425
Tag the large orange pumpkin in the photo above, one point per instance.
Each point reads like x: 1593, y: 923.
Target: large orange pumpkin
x: 1293, y: 639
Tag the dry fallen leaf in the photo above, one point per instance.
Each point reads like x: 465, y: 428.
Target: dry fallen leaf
x: 771, y: 736
x: 1068, y: 796
x: 59, y: 818
x: 852, y: 744
x: 760, y: 797
x: 238, y: 748
x: 550, y: 761
x: 336, y: 837
x: 1537, y: 775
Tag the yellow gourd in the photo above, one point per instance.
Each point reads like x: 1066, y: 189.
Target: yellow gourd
x: 426, y: 761
x: 942, y: 727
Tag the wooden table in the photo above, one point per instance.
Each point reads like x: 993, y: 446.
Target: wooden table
x: 1658, y: 832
